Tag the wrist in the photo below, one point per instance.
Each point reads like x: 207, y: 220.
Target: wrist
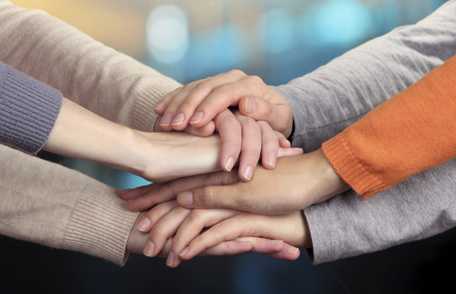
x: 323, y: 181
x: 165, y: 156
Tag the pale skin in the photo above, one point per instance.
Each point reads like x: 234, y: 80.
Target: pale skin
x: 200, y: 108
x: 79, y: 133
x: 295, y: 183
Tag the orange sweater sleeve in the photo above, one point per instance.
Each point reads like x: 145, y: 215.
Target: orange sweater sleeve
x: 410, y: 133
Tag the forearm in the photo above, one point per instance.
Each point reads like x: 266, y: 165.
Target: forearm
x: 419, y: 208
x: 93, y: 75
x: 54, y: 206
x: 79, y: 133
x: 339, y: 93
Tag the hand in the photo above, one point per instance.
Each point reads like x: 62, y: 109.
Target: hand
x: 163, y: 221
x: 138, y: 240
x: 200, y: 102
x: 240, y: 133
x: 166, y: 156
x: 255, y: 100
x: 291, y: 228
x: 296, y: 183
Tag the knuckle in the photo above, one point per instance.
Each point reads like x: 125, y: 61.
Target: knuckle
x: 205, y: 197
x: 203, y: 87
x: 242, y: 201
x: 157, y: 233
x: 256, y: 81
x: 223, y: 91
x: 236, y: 72
x: 196, y: 216
x: 248, y: 122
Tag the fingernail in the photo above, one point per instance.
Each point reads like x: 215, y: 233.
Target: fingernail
x: 185, y: 199
x: 248, y: 172
x: 197, y: 117
x: 178, y: 119
x: 229, y: 164
x: 184, y: 253
x: 166, y: 119
x: 171, y: 260
x: 250, y: 105
x: 271, y: 162
x: 295, y: 252
x: 149, y: 249
x: 144, y: 225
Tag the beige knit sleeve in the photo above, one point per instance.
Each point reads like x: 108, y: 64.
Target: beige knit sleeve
x: 49, y: 204
x: 93, y: 75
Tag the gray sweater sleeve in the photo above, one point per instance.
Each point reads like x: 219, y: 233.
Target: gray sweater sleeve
x: 339, y: 93
x: 28, y: 110
x: 335, y: 96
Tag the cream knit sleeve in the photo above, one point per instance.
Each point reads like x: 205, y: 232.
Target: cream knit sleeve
x: 48, y: 204
x: 93, y: 75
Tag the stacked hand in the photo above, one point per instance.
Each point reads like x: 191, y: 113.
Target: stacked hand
x: 211, y: 213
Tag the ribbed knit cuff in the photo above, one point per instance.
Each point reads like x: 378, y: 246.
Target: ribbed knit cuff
x: 28, y: 110
x: 100, y: 226
x: 148, y: 95
x: 349, y: 167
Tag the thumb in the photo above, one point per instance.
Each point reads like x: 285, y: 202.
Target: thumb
x: 277, y: 115
x: 228, y: 197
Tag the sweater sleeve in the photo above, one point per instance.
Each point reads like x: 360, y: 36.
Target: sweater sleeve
x: 51, y: 205
x: 46, y: 203
x: 339, y: 93
x: 91, y: 74
x: 408, y: 134
x: 335, y: 96
x: 28, y: 110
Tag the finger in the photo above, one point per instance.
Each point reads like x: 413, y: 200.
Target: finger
x: 235, y: 247
x: 227, y: 197
x: 269, y: 146
x: 166, y: 248
x: 202, y: 89
x: 149, y: 218
x: 288, y: 252
x: 229, y: 248
x: 160, y: 193
x: 228, y: 230
x: 264, y: 246
x: 180, y: 118
x: 250, y: 147
x: 230, y: 131
x: 206, y: 131
x: 195, y: 223
x: 157, y: 193
x: 169, y: 118
x: 246, y: 225
x: 286, y: 152
x: 227, y: 95
x: 275, y: 248
x: 164, y: 229
x: 161, y: 106
x: 283, y: 141
x: 130, y: 194
x: 259, y: 108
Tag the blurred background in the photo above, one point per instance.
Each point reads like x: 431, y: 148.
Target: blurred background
x: 191, y: 39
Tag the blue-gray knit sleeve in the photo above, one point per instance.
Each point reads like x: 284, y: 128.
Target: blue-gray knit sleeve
x: 28, y: 110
